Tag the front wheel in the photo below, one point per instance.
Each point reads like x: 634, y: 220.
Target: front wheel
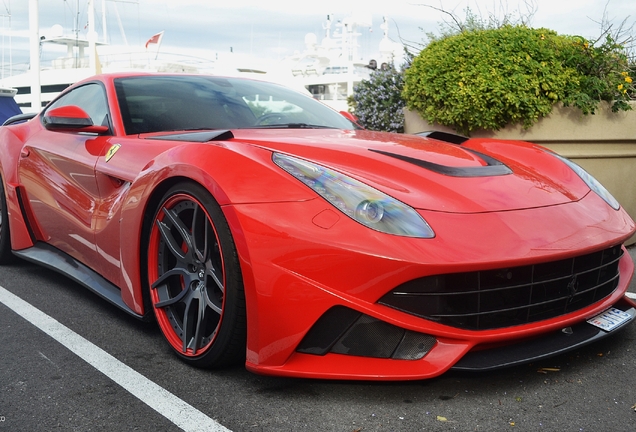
x: 195, y: 281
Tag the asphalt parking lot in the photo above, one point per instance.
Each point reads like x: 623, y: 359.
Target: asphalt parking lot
x: 45, y: 385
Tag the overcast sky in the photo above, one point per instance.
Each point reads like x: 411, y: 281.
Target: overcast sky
x: 276, y: 29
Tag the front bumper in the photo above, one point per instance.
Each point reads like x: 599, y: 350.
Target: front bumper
x: 300, y: 259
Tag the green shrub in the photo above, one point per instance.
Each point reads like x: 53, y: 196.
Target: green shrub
x: 490, y: 78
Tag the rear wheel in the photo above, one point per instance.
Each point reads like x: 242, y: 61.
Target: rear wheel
x: 5, y: 240
x: 195, y: 282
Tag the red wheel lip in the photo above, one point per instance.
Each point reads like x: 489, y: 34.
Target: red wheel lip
x: 162, y: 318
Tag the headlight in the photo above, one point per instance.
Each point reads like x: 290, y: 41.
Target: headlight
x: 593, y: 184
x: 360, y: 202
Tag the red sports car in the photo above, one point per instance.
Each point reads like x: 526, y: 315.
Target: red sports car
x: 260, y: 226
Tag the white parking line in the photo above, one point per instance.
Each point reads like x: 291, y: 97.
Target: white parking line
x: 165, y: 403
x: 631, y: 295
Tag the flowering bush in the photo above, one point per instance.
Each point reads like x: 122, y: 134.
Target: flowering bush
x: 490, y: 78
x: 378, y: 103
x: 603, y: 74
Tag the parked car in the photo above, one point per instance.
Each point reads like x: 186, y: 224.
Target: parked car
x: 259, y: 226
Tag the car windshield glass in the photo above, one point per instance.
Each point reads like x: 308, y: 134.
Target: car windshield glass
x: 175, y: 103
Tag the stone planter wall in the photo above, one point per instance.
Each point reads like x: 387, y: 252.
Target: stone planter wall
x: 604, y: 144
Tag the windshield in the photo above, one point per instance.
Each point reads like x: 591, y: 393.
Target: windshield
x: 174, y: 103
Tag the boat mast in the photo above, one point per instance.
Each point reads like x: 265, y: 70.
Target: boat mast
x: 34, y: 27
x: 92, y: 38
x: 8, y: 16
x: 104, y: 27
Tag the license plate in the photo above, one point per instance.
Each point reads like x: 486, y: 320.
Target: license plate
x: 610, y: 319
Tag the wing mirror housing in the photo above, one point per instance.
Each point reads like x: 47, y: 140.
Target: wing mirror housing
x: 350, y: 117
x: 71, y: 118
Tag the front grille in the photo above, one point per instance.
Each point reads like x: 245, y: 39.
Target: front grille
x: 510, y: 296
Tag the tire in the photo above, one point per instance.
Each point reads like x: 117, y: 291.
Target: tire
x: 194, y: 276
x: 6, y: 256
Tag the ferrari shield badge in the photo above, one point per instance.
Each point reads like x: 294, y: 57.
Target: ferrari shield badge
x: 111, y: 151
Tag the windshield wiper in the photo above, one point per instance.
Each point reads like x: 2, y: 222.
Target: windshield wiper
x: 291, y: 126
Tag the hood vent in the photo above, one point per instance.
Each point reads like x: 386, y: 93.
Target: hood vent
x: 492, y: 168
x: 444, y: 136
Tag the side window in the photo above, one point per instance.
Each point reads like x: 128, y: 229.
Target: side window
x: 91, y: 98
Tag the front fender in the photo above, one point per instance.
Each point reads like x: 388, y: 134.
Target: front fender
x: 232, y: 172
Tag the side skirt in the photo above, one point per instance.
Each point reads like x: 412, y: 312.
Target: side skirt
x: 56, y: 260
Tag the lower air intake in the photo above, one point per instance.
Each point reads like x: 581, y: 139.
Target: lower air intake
x: 344, y: 331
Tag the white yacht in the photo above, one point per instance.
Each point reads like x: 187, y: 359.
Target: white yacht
x: 75, y: 66
x: 86, y: 56
x: 82, y: 60
x: 330, y: 69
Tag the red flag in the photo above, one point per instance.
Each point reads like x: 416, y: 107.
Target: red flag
x: 156, y: 39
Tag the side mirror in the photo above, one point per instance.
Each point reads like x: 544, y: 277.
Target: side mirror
x: 350, y: 117
x: 71, y: 118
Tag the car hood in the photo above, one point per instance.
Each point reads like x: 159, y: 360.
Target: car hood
x: 481, y: 175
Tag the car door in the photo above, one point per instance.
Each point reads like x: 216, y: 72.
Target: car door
x: 57, y: 169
